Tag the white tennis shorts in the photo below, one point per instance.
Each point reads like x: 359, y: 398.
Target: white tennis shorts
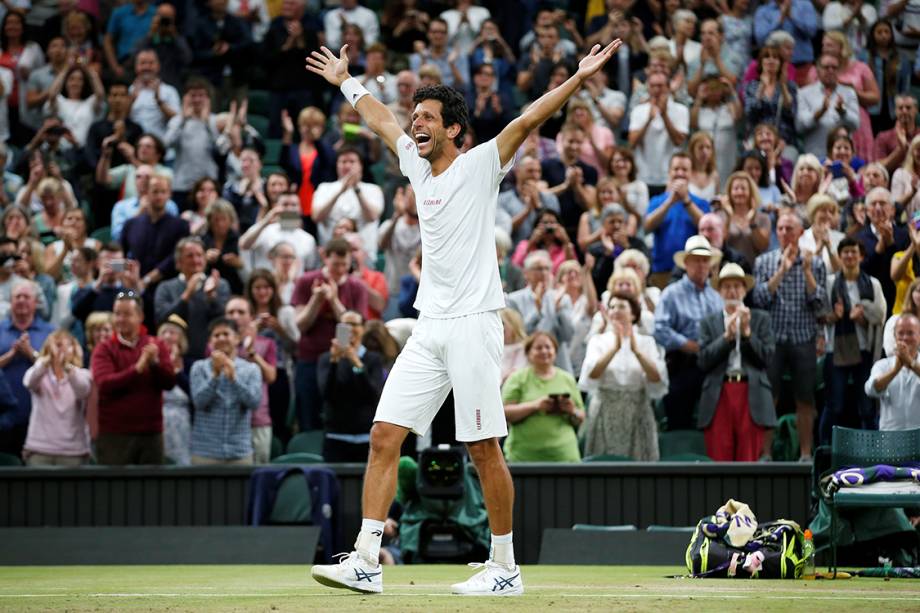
x: 463, y: 353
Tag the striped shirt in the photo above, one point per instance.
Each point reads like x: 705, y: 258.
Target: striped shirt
x: 792, y: 309
x: 223, y: 409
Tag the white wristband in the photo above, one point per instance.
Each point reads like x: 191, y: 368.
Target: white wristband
x: 353, y: 91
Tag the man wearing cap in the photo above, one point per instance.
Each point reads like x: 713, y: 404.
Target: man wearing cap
x: 677, y: 327
x: 712, y: 226
x: 790, y: 286
x: 613, y: 241
x: 736, y: 346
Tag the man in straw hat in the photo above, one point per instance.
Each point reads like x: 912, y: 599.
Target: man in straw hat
x: 736, y: 345
x: 677, y: 327
x: 790, y: 285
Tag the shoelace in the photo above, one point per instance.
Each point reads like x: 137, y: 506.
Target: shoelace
x: 341, y: 557
x: 486, y: 564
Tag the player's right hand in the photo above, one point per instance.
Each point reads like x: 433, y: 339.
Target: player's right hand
x: 333, y: 69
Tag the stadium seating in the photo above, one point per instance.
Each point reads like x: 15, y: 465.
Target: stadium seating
x: 103, y: 234
x: 9, y: 460
x: 298, y: 458
x: 307, y: 442
x: 293, y: 502
x: 677, y: 442
x: 607, y: 458
x: 861, y: 448
x: 259, y: 122
x: 277, y: 448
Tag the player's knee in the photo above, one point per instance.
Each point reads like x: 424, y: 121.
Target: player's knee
x: 484, y: 452
x: 386, y: 439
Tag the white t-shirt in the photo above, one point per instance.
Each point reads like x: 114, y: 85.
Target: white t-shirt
x: 78, y: 115
x: 6, y: 79
x: 457, y: 218
x: 304, y: 246
x: 347, y: 205
x: 656, y: 147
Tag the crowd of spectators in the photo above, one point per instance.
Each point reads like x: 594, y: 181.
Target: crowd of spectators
x: 720, y: 227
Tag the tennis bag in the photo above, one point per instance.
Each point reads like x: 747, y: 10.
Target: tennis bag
x: 775, y: 551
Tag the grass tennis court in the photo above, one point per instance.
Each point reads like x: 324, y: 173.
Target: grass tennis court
x: 425, y: 588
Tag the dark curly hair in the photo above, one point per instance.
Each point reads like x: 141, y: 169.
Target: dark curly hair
x: 453, y: 107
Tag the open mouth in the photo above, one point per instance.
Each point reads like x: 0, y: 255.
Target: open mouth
x: 421, y: 138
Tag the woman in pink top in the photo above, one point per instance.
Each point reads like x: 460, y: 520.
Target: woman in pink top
x: 597, y: 148
x: 549, y: 235
x: 58, y: 434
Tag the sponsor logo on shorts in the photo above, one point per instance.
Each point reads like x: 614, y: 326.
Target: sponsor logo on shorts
x: 432, y: 202
x: 478, y: 420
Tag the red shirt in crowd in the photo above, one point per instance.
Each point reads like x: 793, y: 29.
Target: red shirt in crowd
x: 317, y: 339
x: 130, y: 403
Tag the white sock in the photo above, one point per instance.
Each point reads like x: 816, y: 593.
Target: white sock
x: 368, y: 543
x: 502, y: 550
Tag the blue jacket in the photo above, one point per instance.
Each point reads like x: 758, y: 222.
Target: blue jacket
x: 264, y: 484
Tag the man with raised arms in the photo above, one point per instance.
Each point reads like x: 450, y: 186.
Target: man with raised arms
x: 457, y: 342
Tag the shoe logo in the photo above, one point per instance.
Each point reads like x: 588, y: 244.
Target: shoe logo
x: 377, y: 532
x: 504, y: 582
x: 361, y: 575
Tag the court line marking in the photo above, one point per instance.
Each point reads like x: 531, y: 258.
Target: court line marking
x: 749, y: 595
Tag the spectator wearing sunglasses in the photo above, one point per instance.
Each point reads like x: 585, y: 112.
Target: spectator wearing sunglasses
x: 131, y: 370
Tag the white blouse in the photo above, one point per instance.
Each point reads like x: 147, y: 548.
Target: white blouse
x: 624, y: 371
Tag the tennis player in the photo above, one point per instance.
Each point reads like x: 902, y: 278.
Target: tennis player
x: 457, y: 342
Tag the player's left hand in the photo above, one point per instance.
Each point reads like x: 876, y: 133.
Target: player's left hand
x: 596, y: 58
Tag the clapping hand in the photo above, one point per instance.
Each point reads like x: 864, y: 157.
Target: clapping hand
x: 24, y: 345
x: 211, y: 284
x: 858, y: 314
x: 538, y: 293
x: 790, y: 253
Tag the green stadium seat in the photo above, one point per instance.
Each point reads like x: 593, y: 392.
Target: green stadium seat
x: 307, y: 442
x: 103, y: 234
x: 863, y: 448
x: 277, y: 448
x: 607, y: 458
x: 258, y: 102
x: 657, y: 528
x: 598, y: 528
x: 272, y: 151
x: 677, y: 442
x: 271, y: 168
x: 259, y: 122
x: 293, y: 501
x: 785, y: 439
x: 7, y: 459
x: 298, y: 458
x: 685, y: 457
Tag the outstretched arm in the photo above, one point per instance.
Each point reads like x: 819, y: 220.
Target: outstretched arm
x: 510, y: 139
x: 377, y: 116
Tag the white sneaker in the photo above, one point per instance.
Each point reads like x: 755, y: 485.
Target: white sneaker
x: 352, y: 573
x: 493, y: 580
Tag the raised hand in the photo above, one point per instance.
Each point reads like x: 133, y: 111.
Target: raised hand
x: 596, y: 58
x: 287, y: 124
x: 327, y: 65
